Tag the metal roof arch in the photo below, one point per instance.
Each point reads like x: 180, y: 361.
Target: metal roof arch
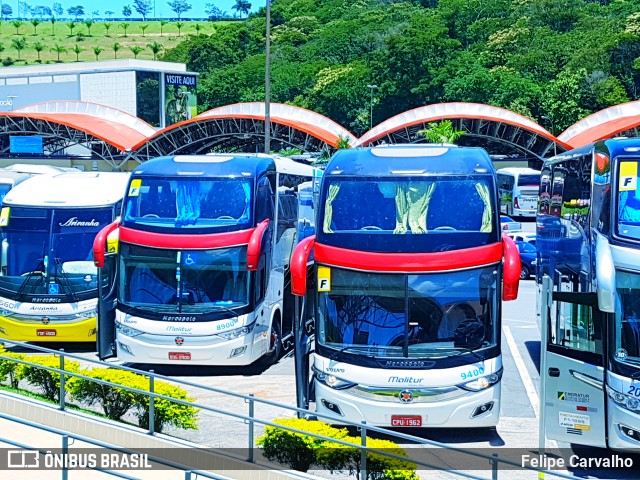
x: 497, y: 129
x: 241, y: 127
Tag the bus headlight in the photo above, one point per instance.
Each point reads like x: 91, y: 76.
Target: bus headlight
x: 625, y: 401
x: 238, y: 332
x: 332, y: 381
x: 482, y: 383
x: 127, y: 331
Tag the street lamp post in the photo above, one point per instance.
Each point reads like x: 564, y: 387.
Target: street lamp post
x: 372, y: 88
x: 550, y: 118
x: 267, y: 83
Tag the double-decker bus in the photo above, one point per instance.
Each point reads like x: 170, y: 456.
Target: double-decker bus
x: 200, y: 266
x: 409, y: 270
x: 48, y: 282
x: 588, y: 238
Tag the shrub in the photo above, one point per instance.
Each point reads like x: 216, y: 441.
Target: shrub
x: 115, y: 402
x: 300, y: 451
x: 296, y: 450
x: 166, y: 412
x: 46, y: 380
x: 8, y: 61
x: 9, y: 368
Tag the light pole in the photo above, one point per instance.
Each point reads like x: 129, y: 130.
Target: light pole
x: 267, y: 83
x: 372, y: 88
x: 550, y: 118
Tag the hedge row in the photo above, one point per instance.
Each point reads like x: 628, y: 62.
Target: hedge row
x: 301, y: 452
x: 115, y: 402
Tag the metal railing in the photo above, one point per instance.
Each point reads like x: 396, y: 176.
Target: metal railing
x: 64, y: 447
x: 494, y: 461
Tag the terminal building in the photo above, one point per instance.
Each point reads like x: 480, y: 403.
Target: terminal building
x: 160, y: 93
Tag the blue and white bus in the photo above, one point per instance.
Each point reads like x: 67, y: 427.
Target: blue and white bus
x: 198, y: 265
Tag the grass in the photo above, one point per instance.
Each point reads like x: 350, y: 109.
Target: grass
x: 60, y: 34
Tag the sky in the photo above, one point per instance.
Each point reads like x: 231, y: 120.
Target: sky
x: 161, y: 7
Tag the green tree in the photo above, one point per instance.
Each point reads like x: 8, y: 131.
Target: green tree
x: 143, y: 27
x: 115, y: 47
x: 35, y: 22
x: 77, y: 50
x: 76, y: 11
x: 17, y: 24
x: 19, y: 44
x: 179, y: 26
x: 124, y: 27
x: 136, y: 50
x: 107, y: 26
x: 143, y: 7
x: 162, y: 24
x: 89, y: 23
x: 53, y: 25
x: 242, y: 6
x: 38, y: 47
x: 71, y: 26
x: 197, y: 27
x: 179, y: 7
x: 97, y: 51
x: 155, y: 48
x: 58, y: 49
x: 442, y: 132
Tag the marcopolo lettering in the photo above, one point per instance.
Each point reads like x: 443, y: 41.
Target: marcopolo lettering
x: 175, y: 318
x: 74, y: 222
x: 187, y: 80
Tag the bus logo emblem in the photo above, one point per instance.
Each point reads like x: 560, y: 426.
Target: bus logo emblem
x: 179, y: 340
x: 45, y: 320
x: 406, y: 396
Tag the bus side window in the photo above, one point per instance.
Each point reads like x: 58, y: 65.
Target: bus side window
x: 261, y: 280
x: 576, y: 327
x: 264, y: 200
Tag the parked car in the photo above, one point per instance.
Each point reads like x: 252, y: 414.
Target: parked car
x: 523, y: 237
x: 528, y: 258
x: 509, y: 225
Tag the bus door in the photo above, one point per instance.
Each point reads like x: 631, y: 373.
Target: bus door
x: 107, y: 301
x: 574, y: 397
x: 304, y: 336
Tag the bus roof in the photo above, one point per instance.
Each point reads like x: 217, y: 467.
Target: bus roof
x: 518, y: 171
x: 7, y: 177
x: 416, y: 159
x: 222, y: 164
x: 38, y: 169
x: 616, y: 146
x: 63, y: 190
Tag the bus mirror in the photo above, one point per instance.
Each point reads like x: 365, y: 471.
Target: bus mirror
x: 99, y: 243
x: 605, y: 275
x: 298, y: 265
x: 512, y: 269
x: 255, y: 245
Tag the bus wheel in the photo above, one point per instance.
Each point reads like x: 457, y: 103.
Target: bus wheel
x: 275, y: 344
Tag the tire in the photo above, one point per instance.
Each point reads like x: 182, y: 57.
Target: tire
x: 275, y: 344
x: 524, y: 273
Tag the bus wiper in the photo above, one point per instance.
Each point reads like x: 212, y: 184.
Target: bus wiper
x: 33, y: 272
x: 226, y: 309
x: 64, y: 276
x: 464, y: 349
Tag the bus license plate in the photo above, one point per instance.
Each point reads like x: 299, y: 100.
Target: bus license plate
x: 46, y: 333
x: 406, y: 421
x: 179, y: 356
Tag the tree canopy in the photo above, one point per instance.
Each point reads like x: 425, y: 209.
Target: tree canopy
x: 545, y: 59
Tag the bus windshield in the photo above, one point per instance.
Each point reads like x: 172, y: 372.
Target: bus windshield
x: 627, y: 328
x: 183, y: 281
x: 196, y: 204
x: 629, y: 200
x: 416, y: 316
x: 4, y: 189
x: 49, y: 251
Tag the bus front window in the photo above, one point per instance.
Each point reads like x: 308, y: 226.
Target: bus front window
x: 184, y: 281
x: 627, y: 328
x: 628, y: 200
x: 416, y: 316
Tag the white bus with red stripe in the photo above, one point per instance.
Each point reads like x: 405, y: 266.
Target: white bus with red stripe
x: 198, y: 264
x: 404, y: 290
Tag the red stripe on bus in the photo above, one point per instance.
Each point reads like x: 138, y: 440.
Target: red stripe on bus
x: 408, y: 262
x: 185, y: 241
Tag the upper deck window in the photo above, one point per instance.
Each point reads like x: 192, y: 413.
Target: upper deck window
x: 161, y: 204
x: 408, y: 206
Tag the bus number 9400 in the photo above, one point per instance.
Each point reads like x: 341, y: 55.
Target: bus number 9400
x: 472, y: 373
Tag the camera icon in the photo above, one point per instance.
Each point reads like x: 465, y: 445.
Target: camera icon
x: 23, y: 459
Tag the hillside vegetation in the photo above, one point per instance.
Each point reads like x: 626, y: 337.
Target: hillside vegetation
x: 555, y: 61
x: 62, y: 42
